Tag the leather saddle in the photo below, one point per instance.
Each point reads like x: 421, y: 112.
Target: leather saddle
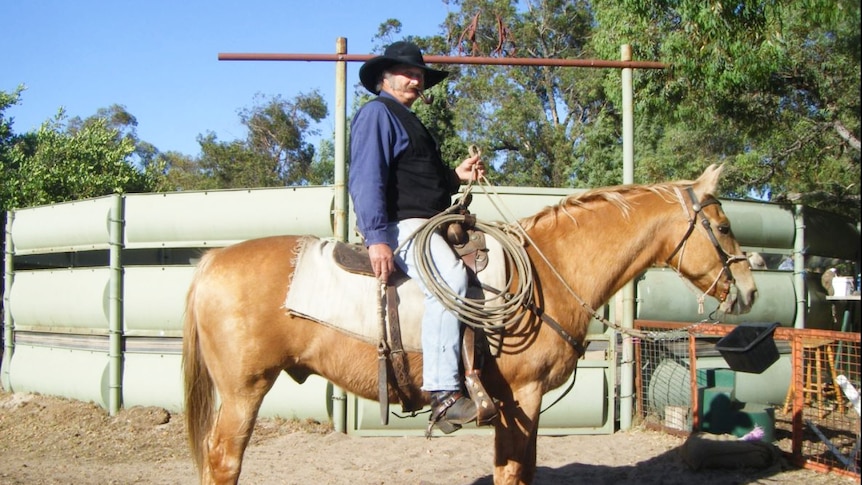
x: 393, y: 368
x: 468, y: 243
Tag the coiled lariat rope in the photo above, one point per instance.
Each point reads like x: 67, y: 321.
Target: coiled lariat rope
x: 489, y: 313
x: 506, y: 304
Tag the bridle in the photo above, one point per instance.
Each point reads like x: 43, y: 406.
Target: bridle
x: 726, y: 259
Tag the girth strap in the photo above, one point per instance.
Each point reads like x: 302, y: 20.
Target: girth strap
x: 580, y: 349
x: 548, y: 320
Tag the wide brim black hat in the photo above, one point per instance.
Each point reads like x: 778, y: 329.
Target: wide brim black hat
x: 397, y: 53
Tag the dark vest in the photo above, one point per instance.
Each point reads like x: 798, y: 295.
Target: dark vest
x: 420, y: 184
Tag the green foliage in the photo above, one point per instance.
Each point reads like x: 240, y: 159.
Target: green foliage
x: 233, y: 165
x: 771, y: 89
x: 7, y: 100
x: 278, y: 132
x: 276, y: 151
x: 386, y: 33
x: 8, y: 168
x: 68, y: 159
x: 53, y: 165
x: 322, y: 169
x: 64, y: 161
x: 530, y: 121
x: 174, y: 171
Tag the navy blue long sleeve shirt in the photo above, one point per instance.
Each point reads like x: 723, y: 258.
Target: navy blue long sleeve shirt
x: 376, y: 139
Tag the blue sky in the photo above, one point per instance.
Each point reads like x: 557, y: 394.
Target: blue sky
x: 159, y: 58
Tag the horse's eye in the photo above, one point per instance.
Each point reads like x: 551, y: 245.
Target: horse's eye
x: 724, y: 228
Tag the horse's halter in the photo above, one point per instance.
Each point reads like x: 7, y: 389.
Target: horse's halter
x: 726, y: 260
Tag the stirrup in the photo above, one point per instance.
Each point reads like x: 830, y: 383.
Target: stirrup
x: 438, y: 414
x: 486, y: 408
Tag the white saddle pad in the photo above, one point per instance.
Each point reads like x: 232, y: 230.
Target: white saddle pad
x: 321, y: 291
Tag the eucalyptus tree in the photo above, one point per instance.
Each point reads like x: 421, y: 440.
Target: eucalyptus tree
x: 8, y: 166
x: 61, y: 162
x: 279, y: 131
x: 770, y: 88
x: 531, y: 121
x: 276, y: 151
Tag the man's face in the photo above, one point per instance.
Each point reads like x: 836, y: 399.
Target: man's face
x: 404, y: 83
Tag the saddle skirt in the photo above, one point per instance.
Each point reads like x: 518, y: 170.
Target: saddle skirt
x: 322, y: 291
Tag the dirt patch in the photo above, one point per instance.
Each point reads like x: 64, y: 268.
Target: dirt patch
x: 49, y: 440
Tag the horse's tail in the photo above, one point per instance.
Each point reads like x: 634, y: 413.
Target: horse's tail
x: 198, y: 384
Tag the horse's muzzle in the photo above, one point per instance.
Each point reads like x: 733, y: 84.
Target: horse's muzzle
x: 738, y: 301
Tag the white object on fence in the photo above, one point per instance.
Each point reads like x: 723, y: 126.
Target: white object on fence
x: 842, y: 286
x: 849, y: 391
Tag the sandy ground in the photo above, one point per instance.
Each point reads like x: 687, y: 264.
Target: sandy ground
x: 48, y: 440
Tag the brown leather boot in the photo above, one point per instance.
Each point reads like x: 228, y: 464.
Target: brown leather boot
x: 450, y: 410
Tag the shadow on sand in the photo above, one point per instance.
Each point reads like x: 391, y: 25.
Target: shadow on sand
x: 665, y: 469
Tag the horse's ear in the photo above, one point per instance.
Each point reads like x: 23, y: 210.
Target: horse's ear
x: 707, y: 183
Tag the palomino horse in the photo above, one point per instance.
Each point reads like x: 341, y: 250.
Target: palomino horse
x: 238, y: 336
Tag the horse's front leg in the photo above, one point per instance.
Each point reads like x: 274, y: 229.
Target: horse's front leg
x: 515, y: 437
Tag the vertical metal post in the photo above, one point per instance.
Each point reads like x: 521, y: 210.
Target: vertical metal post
x: 628, y: 118
x: 340, y: 219
x: 692, y: 381
x: 799, y: 268
x: 115, y: 305
x: 797, y: 383
x: 627, y: 293
x: 8, y: 327
x: 340, y: 210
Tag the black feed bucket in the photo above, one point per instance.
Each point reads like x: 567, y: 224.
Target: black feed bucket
x: 749, y: 347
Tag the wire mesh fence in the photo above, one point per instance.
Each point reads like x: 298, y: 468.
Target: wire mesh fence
x: 798, y: 388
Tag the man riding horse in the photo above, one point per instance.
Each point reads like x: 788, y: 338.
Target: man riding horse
x: 398, y: 181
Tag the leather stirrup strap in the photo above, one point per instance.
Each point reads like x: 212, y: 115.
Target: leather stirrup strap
x: 472, y: 349
x: 390, y: 353
x: 382, y: 382
x: 396, y: 353
x: 382, y: 362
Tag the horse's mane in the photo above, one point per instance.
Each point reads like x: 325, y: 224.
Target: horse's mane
x: 617, y: 196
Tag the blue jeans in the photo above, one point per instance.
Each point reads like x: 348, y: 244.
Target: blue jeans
x: 441, y: 330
